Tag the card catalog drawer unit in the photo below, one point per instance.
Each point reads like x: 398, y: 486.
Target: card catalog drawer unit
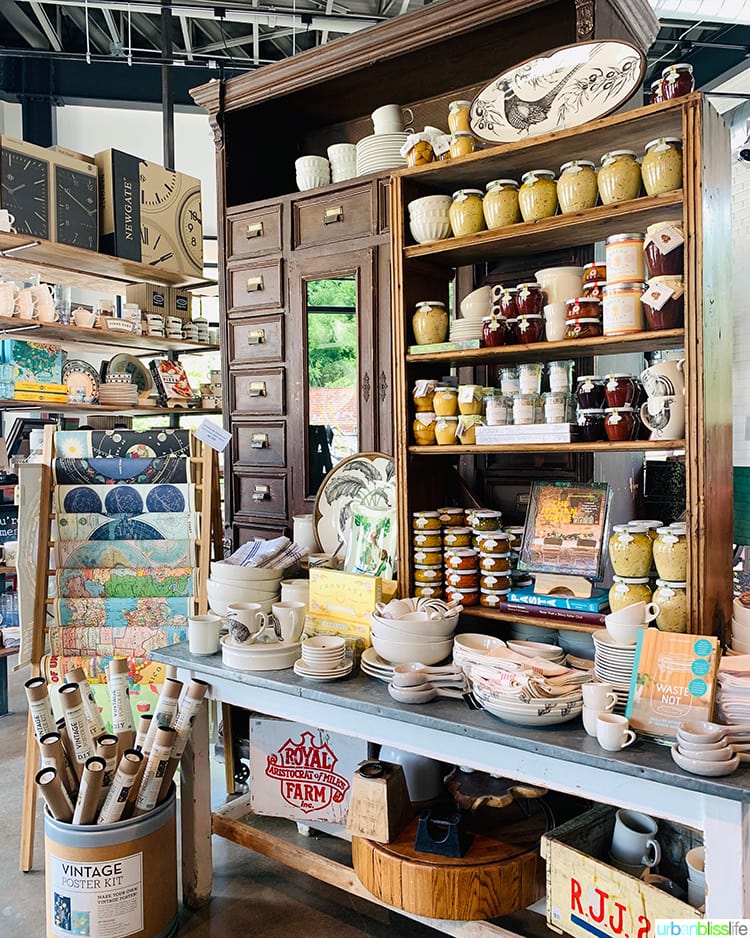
x: 258, y: 392
x: 253, y: 233
x: 256, y: 340
x: 333, y: 218
x: 256, y: 287
x: 255, y: 531
x: 259, y: 444
x: 259, y: 496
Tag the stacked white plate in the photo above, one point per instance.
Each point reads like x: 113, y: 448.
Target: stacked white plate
x: 379, y: 152
x: 374, y: 666
x: 323, y: 659
x: 538, y: 649
x: 118, y: 393
x: 613, y: 663
x: 462, y: 329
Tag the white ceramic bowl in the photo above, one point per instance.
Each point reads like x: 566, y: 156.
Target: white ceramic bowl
x: 434, y: 202
x: 312, y: 164
x: 477, y: 304
x: 342, y: 152
x: 424, y: 230
x: 740, y: 630
x: 741, y: 613
x: 399, y: 652
x: 307, y: 180
x: 220, y: 596
x: 230, y: 573
x: 742, y: 647
x: 404, y: 629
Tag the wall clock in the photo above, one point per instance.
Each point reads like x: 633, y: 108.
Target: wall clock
x: 190, y: 227
x: 76, y: 204
x: 24, y: 187
x: 158, y: 187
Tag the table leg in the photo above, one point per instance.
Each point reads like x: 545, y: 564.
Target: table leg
x: 195, y: 809
x: 726, y: 835
x: 3, y: 686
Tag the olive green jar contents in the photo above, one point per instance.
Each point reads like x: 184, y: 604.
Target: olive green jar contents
x: 430, y: 322
x: 576, y: 186
x: 537, y: 197
x: 501, y: 203
x: 671, y: 598
x: 661, y: 167
x: 466, y: 214
x: 628, y: 590
x: 620, y: 177
x: 630, y: 551
x: 670, y: 552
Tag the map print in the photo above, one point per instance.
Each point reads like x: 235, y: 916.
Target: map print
x: 124, y: 582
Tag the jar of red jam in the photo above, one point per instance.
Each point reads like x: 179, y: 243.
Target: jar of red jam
x: 664, y: 248
x: 621, y: 390
x: 493, y: 331
x: 591, y: 425
x: 530, y: 329
x: 511, y: 337
x: 589, y: 392
x: 529, y: 299
x: 677, y: 80
x: 594, y: 289
x: 620, y: 424
x: 583, y: 307
x: 594, y: 272
x: 664, y: 303
x: 657, y: 91
x: 461, y: 558
x: 582, y: 328
x: 507, y: 302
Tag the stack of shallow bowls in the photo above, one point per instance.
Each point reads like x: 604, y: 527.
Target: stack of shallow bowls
x: 613, y: 663
x: 477, y: 304
x: 475, y: 648
x: 429, y: 219
x: 415, y: 637
x: 379, y: 152
x: 373, y: 665
x: 544, y: 650
x: 535, y: 711
x: 741, y: 626
x: 230, y: 583
x: 323, y: 658
x: 343, y: 160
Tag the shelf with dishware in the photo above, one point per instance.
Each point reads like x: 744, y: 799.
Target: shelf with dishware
x: 56, y: 407
x: 625, y: 446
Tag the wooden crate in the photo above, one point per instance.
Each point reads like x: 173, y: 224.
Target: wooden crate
x: 585, y: 895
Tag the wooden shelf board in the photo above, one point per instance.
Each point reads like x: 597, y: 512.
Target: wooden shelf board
x: 552, y: 351
x: 88, y: 270
x: 55, y: 407
x: 550, y: 234
x: 483, y: 612
x: 630, y: 446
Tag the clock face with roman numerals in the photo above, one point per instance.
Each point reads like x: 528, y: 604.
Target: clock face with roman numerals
x: 76, y: 208
x: 24, y: 191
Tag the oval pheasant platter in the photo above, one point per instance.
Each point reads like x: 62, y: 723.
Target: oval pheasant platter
x: 565, y: 87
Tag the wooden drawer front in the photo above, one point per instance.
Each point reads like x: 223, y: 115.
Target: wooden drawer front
x: 384, y: 205
x: 256, y: 340
x: 258, y: 392
x: 259, y: 444
x: 253, y: 532
x: 260, y: 496
x: 256, y: 287
x: 333, y: 218
x: 253, y: 233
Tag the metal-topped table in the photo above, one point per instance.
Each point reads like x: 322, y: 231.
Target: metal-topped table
x: 561, y: 757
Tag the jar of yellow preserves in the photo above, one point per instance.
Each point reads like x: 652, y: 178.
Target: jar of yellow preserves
x: 576, y: 186
x: 628, y: 590
x: 619, y: 177
x: 537, y: 197
x: 501, y: 203
x: 446, y: 429
x: 466, y: 213
x: 661, y: 167
x: 670, y: 552
x: 430, y: 322
x: 671, y: 598
x: 445, y: 400
x: 458, y: 116
x: 470, y: 399
x: 423, y: 428
x: 461, y: 144
x: 630, y: 551
x: 424, y: 391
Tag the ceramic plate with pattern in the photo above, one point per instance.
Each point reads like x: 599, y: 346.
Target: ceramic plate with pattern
x: 80, y: 374
x: 124, y: 364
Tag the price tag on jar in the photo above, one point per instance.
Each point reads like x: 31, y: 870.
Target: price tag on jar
x: 467, y: 393
x: 423, y: 387
x: 657, y: 295
x: 441, y: 144
x: 668, y: 239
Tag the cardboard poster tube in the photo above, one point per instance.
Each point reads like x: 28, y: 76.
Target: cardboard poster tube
x: 53, y: 755
x: 40, y: 706
x: 106, y: 748
x: 87, y: 802
x: 166, y: 709
x: 56, y: 798
x: 90, y: 707
x: 62, y: 729
x: 76, y: 725
x: 192, y: 701
x: 158, y: 760
x: 123, y: 725
x: 119, y: 791
x: 144, y: 723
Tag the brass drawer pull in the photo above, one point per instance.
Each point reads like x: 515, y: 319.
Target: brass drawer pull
x: 254, y: 284
x: 256, y: 337
x: 332, y: 215
x: 258, y: 389
x: 261, y: 493
x: 259, y: 441
x: 254, y: 230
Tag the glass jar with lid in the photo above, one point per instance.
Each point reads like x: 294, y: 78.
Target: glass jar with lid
x: 467, y: 429
x: 664, y: 249
x: 486, y: 519
x: 591, y: 424
x: 493, y: 331
x: 557, y: 407
x: 458, y: 116
x: 561, y: 376
x: 462, y: 143
x: 430, y: 322
x: 445, y: 400
x: 537, y: 197
x: 498, y: 409
x: 671, y: 598
x: 525, y: 408
x: 530, y: 377
x: 466, y: 213
x: 584, y: 328
x: 630, y: 551
x: 530, y: 329
x: 677, y: 80
x: 424, y: 428
x: 446, y: 430
x: 576, y: 186
x: 628, y: 590
x: 529, y: 299
x: 651, y: 525
x: 509, y: 380
x: 422, y: 395
x: 501, y: 203
x: 661, y: 167
x: 657, y: 91
x: 623, y: 308
x: 470, y: 399
x: 619, y: 178
x: 590, y: 391
x: 670, y: 552
x: 425, y: 521
x: 508, y: 302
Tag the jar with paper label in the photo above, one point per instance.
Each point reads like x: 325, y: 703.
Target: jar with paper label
x: 576, y: 186
x: 583, y: 307
x: 656, y: 92
x: 621, y: 390
x: 661, y: 167
x: 529, y: 329
x: 462, y: 597
x: 446, y: 430
x: 561, y: 376
x: 491, y: 599
x: 429, y: 557
x: 467, y: 429
x: 493, y: 542
x: 619, y: 178
x: 529, y: 299
x: 537, y: 197
x: 494, y: 330
x: 423, y: 428
x: 630, y: 551
x: 458, y: 116
x: 463, y: 579
x: 451, y: 516
x: 462, y: 558
x: 583, y: 328
x: 530, y: 377
x: 525, y: 409
x: 623, y: 309
x: 670, y: 552
x: 466, y: 213
x: 509, y: 380
x: 428, y: 591
x: 498, y: 410
x: 625, y: 261
x: 677, y: 80
x: 652, y: 526
x: 664, y: 303
x: 425, y: 521
x: 671, y: 598
x: 492, y: 582
x: 456, y: 537
x: 507, y: 301
x: 430, y: 322
x: 628, y: 590
x: 591, y: 425
x: 470, y: 399
x: 422, y: 395
x: 590, y: 391
x: 419, y: 151
x: 424, y: 539
x: 485, y: 519
x: 593, y: 272
x: 557, y: 407
x: 594, y: 289
x: 445, y: 400
x: 664, y: 249
x: 495, y: 563
x: 621, y: 424
x: 461, y: 144
x: 501, y: 203
x: 427, y: 574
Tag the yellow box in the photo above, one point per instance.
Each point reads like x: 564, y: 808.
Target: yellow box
x: 344, y: 596
x: 41, y: 387
x: 40, y: 396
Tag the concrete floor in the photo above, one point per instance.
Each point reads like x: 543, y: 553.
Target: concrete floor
x: 250, y: 892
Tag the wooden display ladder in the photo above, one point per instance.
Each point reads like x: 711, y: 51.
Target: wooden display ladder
x: 205, y: 462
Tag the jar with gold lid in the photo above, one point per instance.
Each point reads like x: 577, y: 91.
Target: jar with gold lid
x: 671, y: 598
x: 537, y: 197
x: 458, y: 116
x: 661, y: 167
x: 423, y: 428
x: 576, y: 186
x: 630, y: 551
x: 430, y: 322
x: 619, y: 177
x: 628, y: 590
x: 422, y: 395
x: 466, y: 213
x: 670, y: 552
x: 445, y: 400
x: 462, y: 143
x: 446, y: 429
x: 501, y: 203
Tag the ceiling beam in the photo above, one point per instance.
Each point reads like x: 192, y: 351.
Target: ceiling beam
x: 324, y: 34
x: 187, y: 39
x: 47, y: 27
x: 114, y: 33
x: 97, y: 36
x: 23, y: 25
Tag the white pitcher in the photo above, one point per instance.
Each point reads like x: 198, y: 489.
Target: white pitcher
x: 665, y: 378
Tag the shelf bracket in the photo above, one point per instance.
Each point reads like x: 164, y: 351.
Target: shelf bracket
x: 24, y: 328
x: 9, y: 252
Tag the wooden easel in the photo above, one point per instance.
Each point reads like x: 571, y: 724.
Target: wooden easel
x: 205, y: 463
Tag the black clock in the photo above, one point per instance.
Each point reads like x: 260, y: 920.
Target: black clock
x: 24, y: 188
x: 76, y: 208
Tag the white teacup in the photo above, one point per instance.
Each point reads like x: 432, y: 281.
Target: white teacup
x: 25, y: 303
x: 634, y: 839
x: 599, y: 696
x: 390, y: 119
x: 554, y: 321
x: 623, y: 633
x: 613, y: 732
x: 8, y: 292
x: 664, y: 415
x: 589, y: 719
x: 696, y: 864
x: 639, y: 613
x: 290, y: 620
x: 7, y: 221
x: 246, y: 622
x: 203, y: 634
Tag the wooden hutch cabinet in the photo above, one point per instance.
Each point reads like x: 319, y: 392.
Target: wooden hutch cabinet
x: 273, y: 240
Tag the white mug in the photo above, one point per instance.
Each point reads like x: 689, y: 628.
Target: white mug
x: 390, y: 119
x: 664, y: 415
x: 203, y: 634
x: 634, y: 839
x: 639, y: 613
x: 696, y: 864
x: 8, y: 292
x: 25, y: 303
x: 599, y: 696
x: 589, y: 719
x: 46, y: 313
x: 554, y: 321
x: 613, y: 732
x: 290, y: 620
x: 246, y: 622
x: 6, y: 220
x: 84, y: 317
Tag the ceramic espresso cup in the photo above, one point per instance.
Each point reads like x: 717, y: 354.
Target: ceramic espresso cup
x: 664, y: 415
x: 290, y: 620
x: 634, y: 838
x: 613, y: 732
x: 599, y: 696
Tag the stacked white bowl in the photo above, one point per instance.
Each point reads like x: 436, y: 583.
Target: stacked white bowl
x: 312, y: 172
x: 429, y: 219
x: 230, y: 583
x: 414, y: 636
x: 343, y: 160
x: 740, y: 627
x: 323, y: 658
